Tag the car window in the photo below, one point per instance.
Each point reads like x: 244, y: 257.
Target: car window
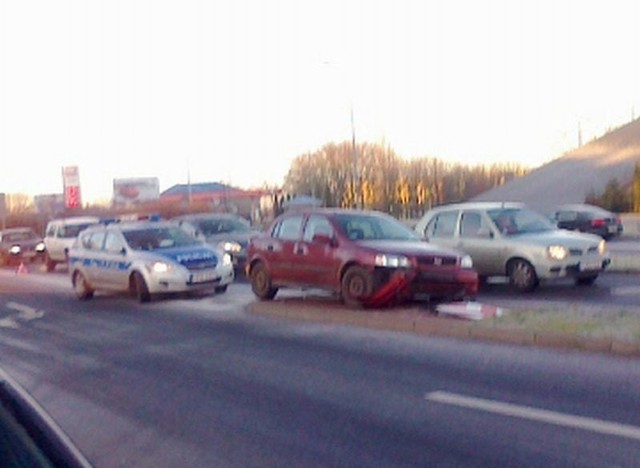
x: 158, y: 237
x: 210, y: 227
x: 95, y: 241
x: 317, y: 225
x: 18, y: 236
x: 442, y: 225
x: 72, y: 230
x: 566, y: 216
x: 371, y: 227
x: 512, y: 221
x: 113, y: 243
x: 51, y: 230
x: 472, y: 225
x: 288, y: 228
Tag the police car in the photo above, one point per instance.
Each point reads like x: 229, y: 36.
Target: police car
x: 145, y: 258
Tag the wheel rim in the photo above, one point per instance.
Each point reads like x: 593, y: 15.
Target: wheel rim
x: 260, y: 279
x: 356, y: 287
x: 522, y: 275
x: 81, y: 287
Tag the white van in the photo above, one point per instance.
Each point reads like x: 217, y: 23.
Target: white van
x: 60, y: 236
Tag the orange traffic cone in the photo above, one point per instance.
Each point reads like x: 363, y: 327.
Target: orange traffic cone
x: 22, y: 269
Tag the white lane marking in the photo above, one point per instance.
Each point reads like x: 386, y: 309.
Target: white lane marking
x: 527, y: 412
x: 8, y: 322
x: 26, y: 312
x: 626, y: 291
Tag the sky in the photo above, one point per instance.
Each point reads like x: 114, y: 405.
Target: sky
x: 232, y: 91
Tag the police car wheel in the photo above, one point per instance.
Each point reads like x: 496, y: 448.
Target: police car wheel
x: 139, y: 287
x: 80, y: 286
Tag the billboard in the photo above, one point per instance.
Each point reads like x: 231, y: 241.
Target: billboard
x: 134, y: 190
x: 71, y: 187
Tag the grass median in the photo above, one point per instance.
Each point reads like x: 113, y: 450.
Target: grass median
x: 575, y: 320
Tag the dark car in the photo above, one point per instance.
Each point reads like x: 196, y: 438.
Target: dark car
x: 588, y: 218
x: 226, y: 231
x: 369, y: 258
x: 28, y: 435
x: 20, y: 245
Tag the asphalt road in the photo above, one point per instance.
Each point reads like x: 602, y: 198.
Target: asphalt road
x: 185, y: 382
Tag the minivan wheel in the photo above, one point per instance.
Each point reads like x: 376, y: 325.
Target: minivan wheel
x: 522, y: 275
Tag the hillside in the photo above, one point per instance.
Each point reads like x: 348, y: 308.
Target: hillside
x: 571, y: 177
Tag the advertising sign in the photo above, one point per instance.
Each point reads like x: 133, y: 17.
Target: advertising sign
x: 71, y: 185
x: 139, y: 189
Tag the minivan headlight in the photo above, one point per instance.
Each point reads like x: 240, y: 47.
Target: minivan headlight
x: 466, y: 262
x: 557, y: 252
x: 392, y: 261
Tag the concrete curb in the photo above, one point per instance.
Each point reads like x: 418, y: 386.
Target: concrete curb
x: 624, y: 263
x: 403, y: 320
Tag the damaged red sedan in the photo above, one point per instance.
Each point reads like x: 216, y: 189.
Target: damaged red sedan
x: 369, y: 258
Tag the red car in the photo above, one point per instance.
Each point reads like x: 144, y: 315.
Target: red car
x: 368, y: 257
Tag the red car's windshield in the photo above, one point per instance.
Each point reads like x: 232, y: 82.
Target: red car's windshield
x: 371, y: 227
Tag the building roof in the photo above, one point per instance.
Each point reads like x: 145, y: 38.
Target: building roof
x: 204, y: 187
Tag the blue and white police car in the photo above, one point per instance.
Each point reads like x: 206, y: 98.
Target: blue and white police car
x: 145, y: 258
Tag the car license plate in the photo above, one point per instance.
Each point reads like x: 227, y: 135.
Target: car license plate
x: 204, y: 276
x: 591, y: 264
x: 613, y: 229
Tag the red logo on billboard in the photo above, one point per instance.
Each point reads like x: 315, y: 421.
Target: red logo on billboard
x: 72, y: 196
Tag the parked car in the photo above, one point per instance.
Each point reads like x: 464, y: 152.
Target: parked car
x: 368, y: 257
x: 508, y: 239
x: 28, y: 435
x: 588, y: 218
x: 61, y: 234
x: 145, y: 258
x: 225, y: 231
x: 20, y: 244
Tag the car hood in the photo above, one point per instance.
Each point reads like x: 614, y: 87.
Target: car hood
x: 557, y: 237
x: 241, y: 237
x: 409, y: 247
x: 23, y: 243
x: 189, y: 256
